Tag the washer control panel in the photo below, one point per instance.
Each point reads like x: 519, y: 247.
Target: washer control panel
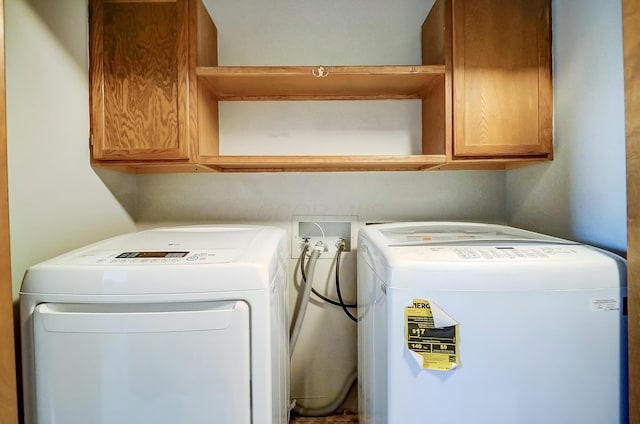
x: 494, y: 253
x: 155, y: 257
x: 151, y: 255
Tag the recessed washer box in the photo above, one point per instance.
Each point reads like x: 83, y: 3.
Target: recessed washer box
x: 328, y: 229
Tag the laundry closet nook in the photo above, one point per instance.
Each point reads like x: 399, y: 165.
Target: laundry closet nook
x: 364, y: 127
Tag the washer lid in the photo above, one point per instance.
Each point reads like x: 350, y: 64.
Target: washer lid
x: 167, y: 246
x: 470, y: 256
x: 164, y: 261
x: 180, y: 238
x: 421, y: 233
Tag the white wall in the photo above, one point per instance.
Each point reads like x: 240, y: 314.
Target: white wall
x: 56, y: 201
x: 582, y: 193
x: 372, y: 196
x: 328, y: 32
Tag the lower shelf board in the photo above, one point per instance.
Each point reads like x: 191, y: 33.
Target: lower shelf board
x: 243, y: 164
x: 323, y: 163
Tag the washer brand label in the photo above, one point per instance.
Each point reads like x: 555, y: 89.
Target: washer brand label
x: 431, y: 335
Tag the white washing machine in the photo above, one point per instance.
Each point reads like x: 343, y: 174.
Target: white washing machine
x: 172, y: 325
x: 471, y: 323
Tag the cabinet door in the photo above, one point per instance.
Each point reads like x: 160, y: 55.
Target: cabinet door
x: 139, y: 80
x: 502, y: 78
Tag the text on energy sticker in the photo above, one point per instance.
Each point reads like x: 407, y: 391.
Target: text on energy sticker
x: 431, y: 335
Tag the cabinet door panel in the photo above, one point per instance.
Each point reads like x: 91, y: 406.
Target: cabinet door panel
x: 502, y: 80
x: 139, y: 73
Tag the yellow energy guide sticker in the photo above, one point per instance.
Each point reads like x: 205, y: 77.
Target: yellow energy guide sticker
x: 432, y: 335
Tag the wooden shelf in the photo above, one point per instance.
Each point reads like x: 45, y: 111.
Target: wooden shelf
x: 323, y: 163
x: 284, y: 163
x: 320, y: 82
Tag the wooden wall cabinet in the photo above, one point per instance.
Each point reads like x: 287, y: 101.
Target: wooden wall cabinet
x: 497, y: 92
x: 143, y: 88
x: 502, y: 96
x: 484, y: 83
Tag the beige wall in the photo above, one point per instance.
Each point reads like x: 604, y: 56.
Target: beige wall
x: 581, y: 194
x: 57, y: 202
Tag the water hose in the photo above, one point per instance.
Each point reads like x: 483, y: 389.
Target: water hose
x: 299, y: 409
x: 329, y: 409
x: 306, y: 294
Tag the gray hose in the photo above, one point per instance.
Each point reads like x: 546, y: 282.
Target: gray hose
x: 304, y: 302
x: 333, y: 406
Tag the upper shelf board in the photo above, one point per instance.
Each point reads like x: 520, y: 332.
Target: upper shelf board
x: 320, y: 82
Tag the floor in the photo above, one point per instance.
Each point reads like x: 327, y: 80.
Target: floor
x: 334, y: 419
